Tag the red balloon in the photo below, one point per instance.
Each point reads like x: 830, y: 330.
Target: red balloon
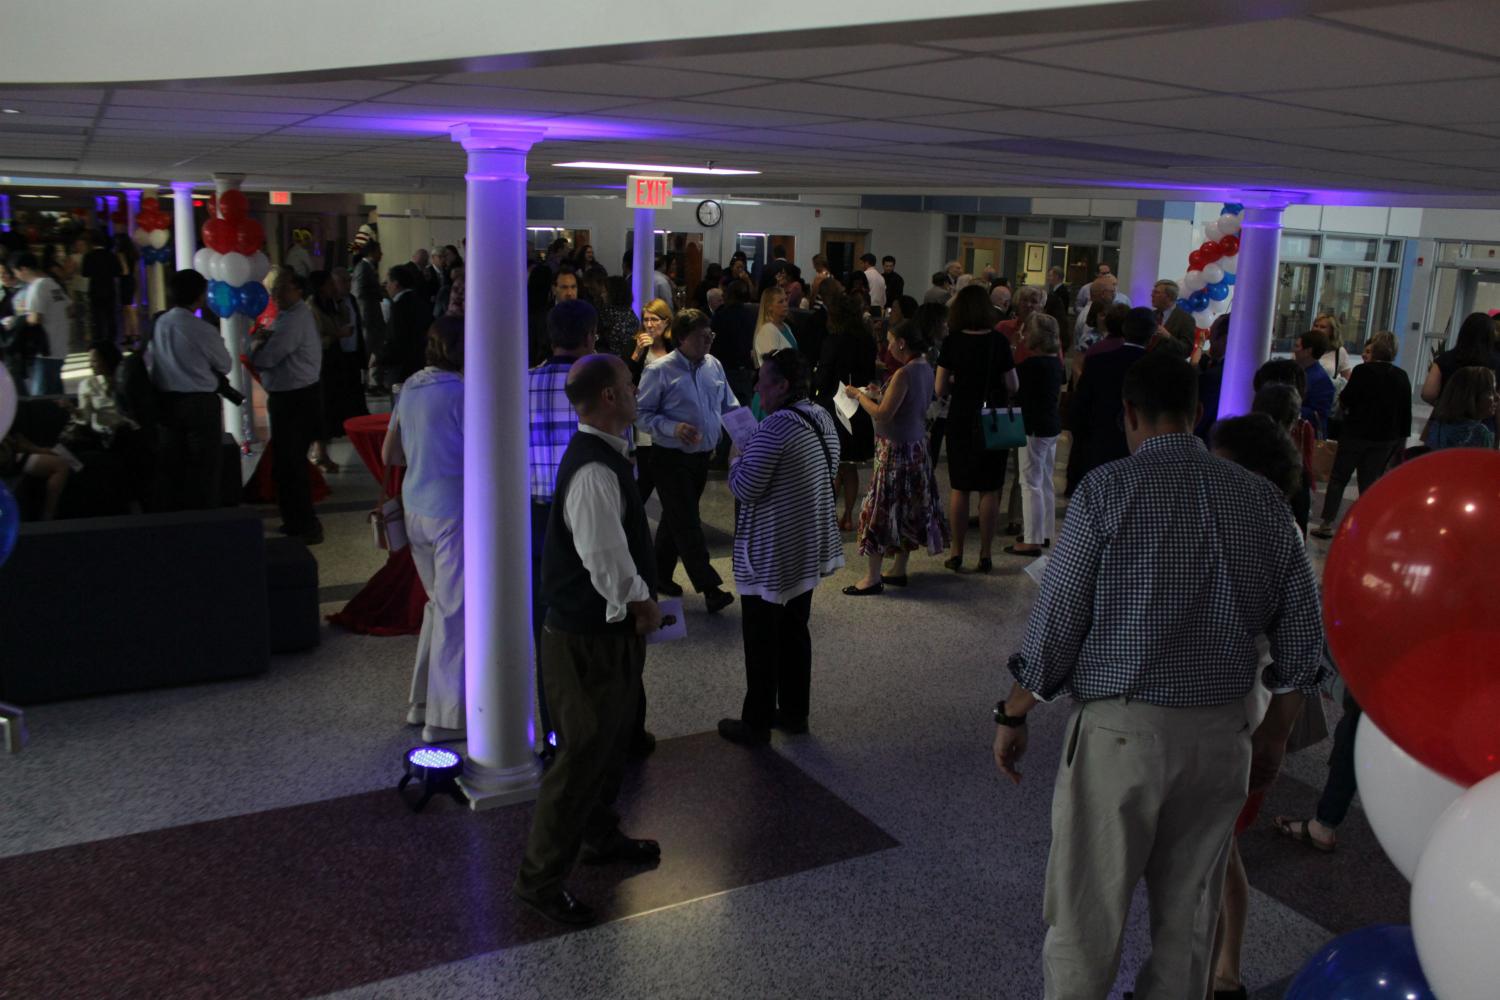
x: 1408, y: 610
x: 1196, y: 260
x: 218, y: 235
x: 1230, y: 245
x: 1210, y: 252
x: 249, y: 236
x: 150, y: 204
x: 233, y: 205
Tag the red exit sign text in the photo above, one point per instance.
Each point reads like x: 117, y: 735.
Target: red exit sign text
x: 648, y: 192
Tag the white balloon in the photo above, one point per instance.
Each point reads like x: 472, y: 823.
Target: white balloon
x: 215, y: 262
x: 1193, y: 280
x: 1229, y: 225
x: 140, y: 237
x: 260, y: 266
x: 1402, y: 798
x: 8, y: 400
x: 1229, y: 265
x: 1455, y: 897
x: 1212, y: 274
x: 158, y: 238
x: 1203, y: 319
x: 234, y: 269
x: 1211, y: 232
x: 203, y: 261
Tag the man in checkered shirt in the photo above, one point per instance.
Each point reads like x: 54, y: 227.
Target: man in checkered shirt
x: 1171, y: 563
x: 571, y: 327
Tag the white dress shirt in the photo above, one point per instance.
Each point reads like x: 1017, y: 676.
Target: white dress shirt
x: 186, y: 354
x: 292, y: 357
x: 592, y: 512
x: 877, y: 287
x: 45, y: 298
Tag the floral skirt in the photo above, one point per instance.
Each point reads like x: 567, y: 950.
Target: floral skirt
x: 903, y: 509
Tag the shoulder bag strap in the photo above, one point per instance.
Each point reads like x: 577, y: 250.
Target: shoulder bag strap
x: 818, y: 433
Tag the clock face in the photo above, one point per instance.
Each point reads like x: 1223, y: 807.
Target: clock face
x: 709, y: 213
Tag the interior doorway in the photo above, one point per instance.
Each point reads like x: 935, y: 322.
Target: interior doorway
x: 843, y: 248
x: 976, y: 253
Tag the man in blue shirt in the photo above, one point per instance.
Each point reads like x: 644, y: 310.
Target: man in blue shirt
x: 1318, y: 402
x: 681, y: 400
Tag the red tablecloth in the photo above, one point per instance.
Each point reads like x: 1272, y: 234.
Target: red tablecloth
x: 261, y: 487
x: 392, y: 602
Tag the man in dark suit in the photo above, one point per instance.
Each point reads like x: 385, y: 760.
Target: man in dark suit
x: 1095, y: 412
x: 1058, y: 298
x: 733, y: 325
x: 1169, y: 317
x: 405, y: 350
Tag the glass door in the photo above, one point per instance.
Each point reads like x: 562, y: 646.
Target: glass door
x: 1294, y: 298
x: 1346, y: 292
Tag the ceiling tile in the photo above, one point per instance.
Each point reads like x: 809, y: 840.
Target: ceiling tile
x: 1013, y: 42
x: 1387, y: 138
x: 181, y: 116
x: 1225, y: 113
x: 799, y: 63
x: 610, y: 80
x: 835, y: 101
x: 1004, y: 82
x: 1438, y: 103
x: 750, y: 114
x: 195, y: 99
x: 493, y: 99
x: 1022, y: 121
x: 1467, y: 24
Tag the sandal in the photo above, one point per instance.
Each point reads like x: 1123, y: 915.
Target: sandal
x: 1284, y: 826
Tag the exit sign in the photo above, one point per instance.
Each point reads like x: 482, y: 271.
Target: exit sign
x: 648, y: 192
x: 281, y: 197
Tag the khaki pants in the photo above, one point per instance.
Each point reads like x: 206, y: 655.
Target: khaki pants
x: 1142, y: 792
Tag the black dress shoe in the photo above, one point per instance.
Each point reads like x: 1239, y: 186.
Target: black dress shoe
x: 853, y: 590
x: 669, y: 589
x: 735, y: 731
x: 718, y: 600
x: 1013, y: 551
x: 984, y: 565
x: 642, y: 745
x: 788, y: 724
x: 620, y: 849
x: 561, y: 908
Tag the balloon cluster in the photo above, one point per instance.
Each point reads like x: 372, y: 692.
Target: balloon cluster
x: 1413, y: 630
x: 231, y: 258
x: 153, y: 232
x: 1212, y: 267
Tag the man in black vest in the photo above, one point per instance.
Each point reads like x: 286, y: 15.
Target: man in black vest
x: 593, y: 642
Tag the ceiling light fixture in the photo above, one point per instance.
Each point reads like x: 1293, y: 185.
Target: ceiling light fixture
x: 10, y: 111
x: 665, y: 168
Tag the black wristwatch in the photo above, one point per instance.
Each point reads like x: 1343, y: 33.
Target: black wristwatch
x: 1001, y: 719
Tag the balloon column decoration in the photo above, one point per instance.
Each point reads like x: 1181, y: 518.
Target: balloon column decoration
x: 1411, y: 624
x: 153, y: 232
x: 1212, y: 268
x: 231, y: 259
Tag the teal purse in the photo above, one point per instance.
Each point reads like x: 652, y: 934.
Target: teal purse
x: 1001, y: 427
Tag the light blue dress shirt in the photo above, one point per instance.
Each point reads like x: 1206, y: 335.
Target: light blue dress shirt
x: 430, y: 420
x: 676, y: 391
x: 292, y: 357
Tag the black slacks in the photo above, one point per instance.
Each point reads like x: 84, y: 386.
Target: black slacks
x: 296, y: 422
x: 1366, y: 458
x: 778, y: 658
x: 594, y: 682
x: 680, y: 479
x: 190, y: 452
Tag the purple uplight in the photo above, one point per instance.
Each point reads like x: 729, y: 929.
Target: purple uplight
x: 555, y: 126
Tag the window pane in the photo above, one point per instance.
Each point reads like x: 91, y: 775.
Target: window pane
x: 990, y: 225
x: 1346, y: 292
x: 1481, y: 251
x: 754, y: 247
x: 1293, y: 306
x: 1299, y: 245
x: 1078, y: 230
x: 1444, y: 300
x: 968, y: 224
x: 950, y: 249
x: 1057, y: 256
x: 1449, y: 251
x: 1344, y: 248
x: 1383, y: 314
x: 1393, y: 251
x: 952, y: 224
x: 1039, y: 229
x: 1111, y: 256
x: 1111, y: 232
x: 1012, y: 227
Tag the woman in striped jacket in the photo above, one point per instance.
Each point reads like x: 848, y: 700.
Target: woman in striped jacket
x: 786, y: 539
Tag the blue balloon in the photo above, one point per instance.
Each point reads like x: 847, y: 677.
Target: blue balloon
x: 1372, y: 962
x: 1229, y: 280
x: 1183, y: 305
x: 1198, y: 301
x: 1232, y: 208
x: 254, y: 298
x: 10, y: 523
x: 1218, y: 291
x: 221, y: 299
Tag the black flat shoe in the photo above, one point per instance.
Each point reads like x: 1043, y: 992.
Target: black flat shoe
x: 984, y: 565
x: 1013, y: 528
x: 562, y: 908
x: 669, y: 589
x: 872, y: 589
x: 1030, y: 553
x: 642, y: 745
x: 718, y: 600
x: 787, y: 724
x: 894, y: 581
x: 956, y: 563
x: 622, y: 850
x: 735, y: 731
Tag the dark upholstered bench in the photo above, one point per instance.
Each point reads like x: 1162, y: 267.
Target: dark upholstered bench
x: 100, y: 605
x: 292, y: 587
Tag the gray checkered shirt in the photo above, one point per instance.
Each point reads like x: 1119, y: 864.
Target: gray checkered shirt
x: 1170, y: 563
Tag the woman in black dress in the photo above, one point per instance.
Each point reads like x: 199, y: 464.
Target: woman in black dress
x: 848, y: 356
x: 975, y: 370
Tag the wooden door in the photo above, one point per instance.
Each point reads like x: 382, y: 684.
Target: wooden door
x: 787, y: 243
x: 843, y: 248
x: 976, y: 253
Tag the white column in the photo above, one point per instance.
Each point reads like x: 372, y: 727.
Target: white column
x: 1253, y: 309
x: 498, y: 675
x: 643, y: 258
x: 113, y: 201
x: 5, y: 224
x: 1143, y: 266
x: 238, y: 420
x: 142, y: 294
x: 184, y: 235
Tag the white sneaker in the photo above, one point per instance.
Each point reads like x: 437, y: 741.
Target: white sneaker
x: 437, y: 734
x: 416, y: 715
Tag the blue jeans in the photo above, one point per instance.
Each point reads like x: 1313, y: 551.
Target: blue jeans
x: 45, y: 378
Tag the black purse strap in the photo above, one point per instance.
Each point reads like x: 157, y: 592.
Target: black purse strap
x: 989, y: 373
x: 818, y: 433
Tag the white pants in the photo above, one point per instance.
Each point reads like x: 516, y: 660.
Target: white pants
x: 437, y: 548
x: 1038, y: 499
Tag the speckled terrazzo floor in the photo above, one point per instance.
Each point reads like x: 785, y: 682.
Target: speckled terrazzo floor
x: 901, y: 695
